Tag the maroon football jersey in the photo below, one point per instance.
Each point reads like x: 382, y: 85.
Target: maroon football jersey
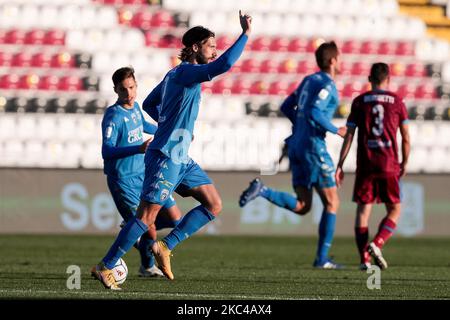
x: 378, y: 116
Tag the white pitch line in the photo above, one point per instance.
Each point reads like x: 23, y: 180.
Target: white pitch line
x: 152, y: 294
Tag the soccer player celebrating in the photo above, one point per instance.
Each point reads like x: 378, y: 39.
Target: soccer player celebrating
x: 168, y: 166
x: 378, y: 114
x: 123, y: 154
x: 310, y: 108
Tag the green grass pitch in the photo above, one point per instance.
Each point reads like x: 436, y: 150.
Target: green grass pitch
x: 226, y: 267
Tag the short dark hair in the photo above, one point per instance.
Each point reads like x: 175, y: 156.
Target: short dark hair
x: 324, y: 53
x: 121, y: 74
x: 378, y: 73
x: 195, y: 35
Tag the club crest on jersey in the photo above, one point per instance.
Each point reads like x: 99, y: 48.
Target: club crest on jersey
x: 133, y: 117
x: 164, y: 194
x: 323, y: 94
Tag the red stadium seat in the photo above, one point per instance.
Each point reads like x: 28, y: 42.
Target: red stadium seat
x: 29, y: 81
x: 351, y: 47
x: 345, y: 67
x: 306, y: 66
x: 279, y: 44
x: 297, y: 45
x: 55, y: 38
x: 41, y: 60
x: 49, y: 82
x: 169, y: 41
x: 241, y: 86
x: 269, y: 66
x: 207, y: 86
x: 250, y: 65
x: 407, y: 90
x: 63, y: 60
x: 162, y: 19
x: 34, y: 37
x: 9, y: 81
x: 142, y: 19
x: 313, y: 44
x: 15, y: 37
x: 152, y: 39
x: 416, y: 69
x: 292, y: 86
x: 361, y: 68
x: 21, y: 59
x: 5, y: 58
x: 259, y: 87
x: 125, y: 16
x: 279, y: 88
x: 426, y: 91
x: 386, y: 48
x: 352, y: 89
x: 70, y: 83
x: 261, y: 43
x: 369, y: 47
x: 222, y: 86
x: 224, y: 42
x: 405, y: 48
x: 397, y: 69
x: 287, y: 66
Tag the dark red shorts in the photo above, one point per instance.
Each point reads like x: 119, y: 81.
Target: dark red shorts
x: 375, y: 189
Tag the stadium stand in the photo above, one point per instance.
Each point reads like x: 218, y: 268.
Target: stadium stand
x: 57, y: 57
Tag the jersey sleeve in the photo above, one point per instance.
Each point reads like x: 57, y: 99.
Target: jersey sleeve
x: 111, y: 127
x: 288, y: 106
x: 318, y: 108
x: 153, y: 100
x: 189, y: 74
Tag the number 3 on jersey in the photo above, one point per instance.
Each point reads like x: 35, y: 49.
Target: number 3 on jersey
x: 378, y: 111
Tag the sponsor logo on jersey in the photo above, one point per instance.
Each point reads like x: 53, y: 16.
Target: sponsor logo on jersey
x: 125, y: 119
x: 135, y: 135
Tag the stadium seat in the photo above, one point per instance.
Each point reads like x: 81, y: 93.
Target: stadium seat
x: 15, y: 36
x: 5, y: 58
x: 34, y: 37
x: 21, y: 59
x: 41, y: 60
x: 48, y: 82
x: 279, y: 44
x: 269, y: 66
x: 70, y: 83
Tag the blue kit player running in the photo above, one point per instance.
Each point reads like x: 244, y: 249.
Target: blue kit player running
x: 123, y: 153
x: 168, y: 166
x: 310, y: 109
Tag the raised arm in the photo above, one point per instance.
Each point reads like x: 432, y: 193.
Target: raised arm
x: 197, y: 73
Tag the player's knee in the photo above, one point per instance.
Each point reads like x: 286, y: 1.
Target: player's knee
x: 215, y: 206
x: 303, y: 209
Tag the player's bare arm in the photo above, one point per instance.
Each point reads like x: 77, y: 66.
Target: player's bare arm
x: 346, y: 145
x: 406, y: 147
x: 143, y: 147
x: 342, y: 131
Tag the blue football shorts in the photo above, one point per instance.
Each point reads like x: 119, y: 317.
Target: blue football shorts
x: 163, y: 176
x: 312, y: 170
x: 125, y: 193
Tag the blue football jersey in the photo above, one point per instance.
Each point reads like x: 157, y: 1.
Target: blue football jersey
x: 316, y: 100
x: 122, y: 131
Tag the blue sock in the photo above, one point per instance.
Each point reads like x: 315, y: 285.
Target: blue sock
x: 281, y: 199
x: 326, y: 233
x: 147, y: 259
x: 191, y: 223
x: 124, y: 241
x: 164, y: 222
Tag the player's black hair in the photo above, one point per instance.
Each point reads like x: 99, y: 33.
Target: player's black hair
x: 121, y: 74
x: 195, y: 35
x: 378, y: 73
x: 324, y: 53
